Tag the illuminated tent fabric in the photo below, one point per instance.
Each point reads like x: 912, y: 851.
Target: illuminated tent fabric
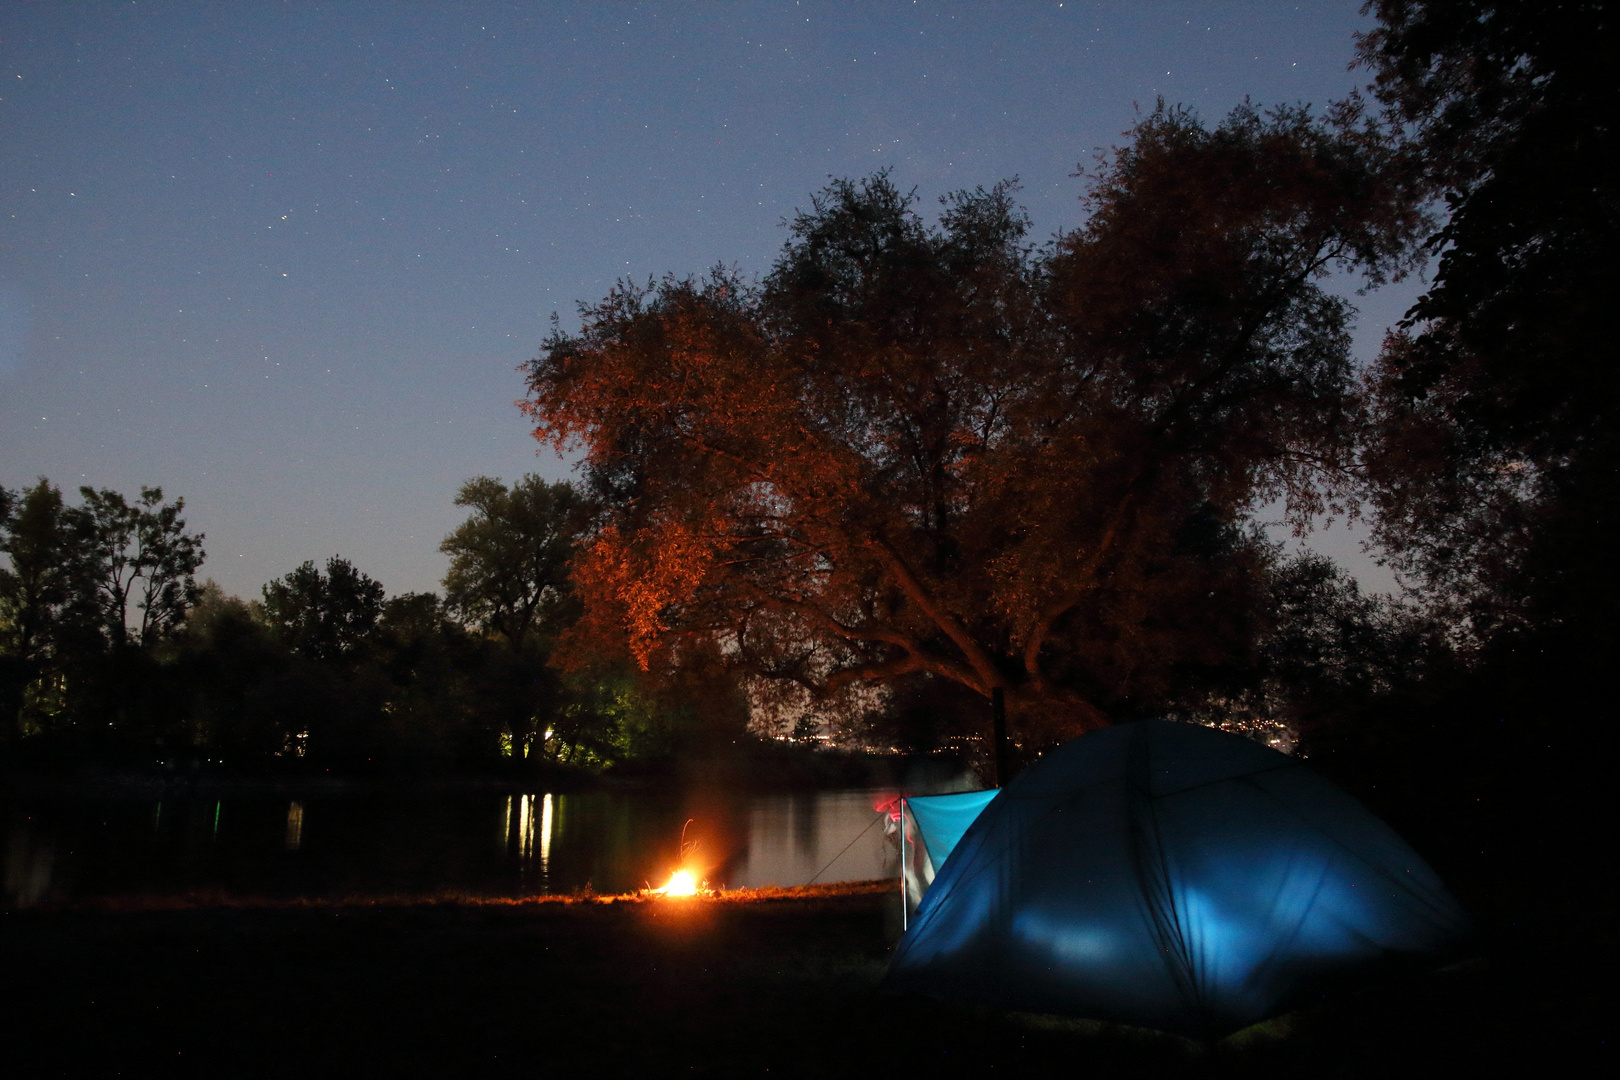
x: 937, y: 823
x: 1172, y: 876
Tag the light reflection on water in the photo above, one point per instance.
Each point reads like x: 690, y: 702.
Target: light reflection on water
x: 518, y: 830
x: 295, y: 825
x: 432, y: 844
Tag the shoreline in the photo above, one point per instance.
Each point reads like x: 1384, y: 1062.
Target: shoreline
x: 763, y: 768
x: 220, y: 900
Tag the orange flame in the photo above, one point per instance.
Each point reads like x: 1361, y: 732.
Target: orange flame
x: 681, y: 883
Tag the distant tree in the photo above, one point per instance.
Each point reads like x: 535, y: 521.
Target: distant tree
x: 87, y: 594
x: 412, y: 616
x: 509, y: 579
x: 428, y: 671
x: 1327, y: 639
x: 509, y: 561
x: 228, y: 662
x: 1327, y: 654
x: 933, y: 449
x: 36, y: 588
x: 323, y: 616
x: 615, y: 712
x: 137, y: 552
x: 40, y: 546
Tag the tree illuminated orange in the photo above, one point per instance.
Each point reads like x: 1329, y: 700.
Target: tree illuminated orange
x: 937, y: 448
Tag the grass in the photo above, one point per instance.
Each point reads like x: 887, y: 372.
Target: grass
x: 747, y: 983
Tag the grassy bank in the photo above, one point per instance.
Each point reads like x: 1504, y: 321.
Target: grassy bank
x: 774, y: 982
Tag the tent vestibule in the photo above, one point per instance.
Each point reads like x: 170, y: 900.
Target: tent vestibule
x: 930, y: 827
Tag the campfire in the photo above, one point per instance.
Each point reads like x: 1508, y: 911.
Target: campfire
x: 681, y: 883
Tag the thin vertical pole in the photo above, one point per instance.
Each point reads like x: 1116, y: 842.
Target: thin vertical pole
x: 905, y: 901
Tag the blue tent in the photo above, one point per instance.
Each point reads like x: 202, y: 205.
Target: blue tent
x: 1172, y: 876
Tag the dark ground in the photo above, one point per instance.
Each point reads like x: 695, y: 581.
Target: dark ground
x: 783, y: 985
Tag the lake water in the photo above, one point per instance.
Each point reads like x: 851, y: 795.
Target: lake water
x: 484, y: 844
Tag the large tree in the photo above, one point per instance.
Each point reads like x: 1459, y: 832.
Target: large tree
x: 1496, y: 455
x: 1494, y: 467
x: 934, y: 448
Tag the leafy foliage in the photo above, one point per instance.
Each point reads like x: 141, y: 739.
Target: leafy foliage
x: 935, y: 449
x: 86, y: 588
x: 509, y: 560
x: 37, y: 538
x: 1492, y: 452
x: 1493, y: 470
x: 323, y: 616
x: 138, y: 552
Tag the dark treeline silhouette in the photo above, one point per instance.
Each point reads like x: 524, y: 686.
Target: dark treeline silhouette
x: 1492, y: 460
x: 111, y: 652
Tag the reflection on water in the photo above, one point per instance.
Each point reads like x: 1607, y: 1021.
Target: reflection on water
x: 545, y: 833
x: 376, y: 845
x: 823, y: 837
x: 295, y: 825
x: 30, y: 859
x: 518, y: 833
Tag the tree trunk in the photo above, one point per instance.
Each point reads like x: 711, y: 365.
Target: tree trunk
x: 998, y: 713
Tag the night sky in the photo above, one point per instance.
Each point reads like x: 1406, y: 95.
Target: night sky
x: 284, y: 259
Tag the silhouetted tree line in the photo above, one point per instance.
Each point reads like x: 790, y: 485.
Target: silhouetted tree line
x: 111, y: 651
x: 1492, y: 457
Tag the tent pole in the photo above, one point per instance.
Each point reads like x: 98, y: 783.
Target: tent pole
x: 904, y: 900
